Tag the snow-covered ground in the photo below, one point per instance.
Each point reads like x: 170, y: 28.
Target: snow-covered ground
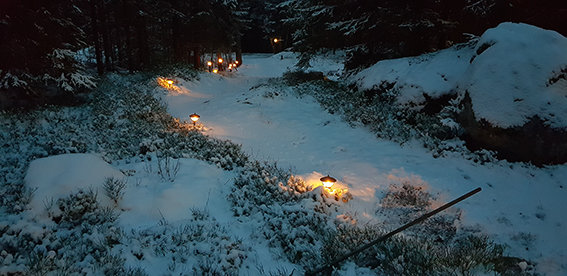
x: 520, y: 205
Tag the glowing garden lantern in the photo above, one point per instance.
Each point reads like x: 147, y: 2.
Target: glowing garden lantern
x: 236, y: 61
x: 220, y: 60
x: 215, y: 70
x: 276, y: 40
x: 166, y: 83
x: 209, y: 63
x: 194, y: 117
x: 328, y: 181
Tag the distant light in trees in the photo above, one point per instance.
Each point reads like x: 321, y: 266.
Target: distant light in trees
x: 209, y: 63
x: 215, y: 70
x: 220, y: 60
x: 276, y: 40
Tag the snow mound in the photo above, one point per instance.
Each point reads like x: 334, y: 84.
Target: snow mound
x: 512, y: 74
x: 433, y: 74
x: 510, y: 79
x: 58, y: 176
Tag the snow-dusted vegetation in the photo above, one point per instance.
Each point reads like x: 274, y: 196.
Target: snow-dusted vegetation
x: 98, y: 225
x: 122, y: 121
x: 136, y: 138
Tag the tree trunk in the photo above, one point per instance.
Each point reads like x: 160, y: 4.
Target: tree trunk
x: 196, y: 57
x: 107, y: 43
x: 142, y: 41
x: 96, y: 38
x: 128, y: 50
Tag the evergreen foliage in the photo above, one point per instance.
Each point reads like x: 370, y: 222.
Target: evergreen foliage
x: 375, y: 30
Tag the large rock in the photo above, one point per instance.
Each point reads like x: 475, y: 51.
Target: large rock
x: 518, y: 72
x: 533, y: 142
x: 516, y: 94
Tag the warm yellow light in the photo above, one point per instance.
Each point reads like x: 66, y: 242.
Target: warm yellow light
x: 215, y: 71
x: 220, y: 60
x: 230, y: 65
x: 166, y: 83
x: 209, y: 63
x: 236, y: 62
x: 275, y: 40
x: 328, y: 181
x: 194, y: 117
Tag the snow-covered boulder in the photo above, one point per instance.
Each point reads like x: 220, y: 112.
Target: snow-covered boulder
x: 518, y: 72
x: 516, y: 87
x: 513, y: 80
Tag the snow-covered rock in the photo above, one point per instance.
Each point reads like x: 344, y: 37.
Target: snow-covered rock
x: 511, y: 77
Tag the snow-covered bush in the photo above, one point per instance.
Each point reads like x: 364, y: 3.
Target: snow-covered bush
x: 114, y: 189
x: 406, y: 196
x: 79, y: 239
x: 35, y: 134
x: 81, y: 208
x: 295, y: 218
x: 121, y: 116
x: 200, y: 244
x: 466, y: 254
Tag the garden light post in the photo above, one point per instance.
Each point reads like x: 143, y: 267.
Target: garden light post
x: 276, y: 44
x: 194, y: 117
x: 220, y: 61
x: 328, y: 181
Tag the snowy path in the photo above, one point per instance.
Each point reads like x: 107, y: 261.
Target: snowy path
x: 516, y: 202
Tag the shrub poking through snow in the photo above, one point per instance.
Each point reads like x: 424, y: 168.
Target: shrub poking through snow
x: 114, y: 189
x: 80, y: 239
x: 167, y: 167
x: 201, y: 244
x: 406, y: 196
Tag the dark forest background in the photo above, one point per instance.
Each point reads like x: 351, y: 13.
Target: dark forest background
x: 49, y: 46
